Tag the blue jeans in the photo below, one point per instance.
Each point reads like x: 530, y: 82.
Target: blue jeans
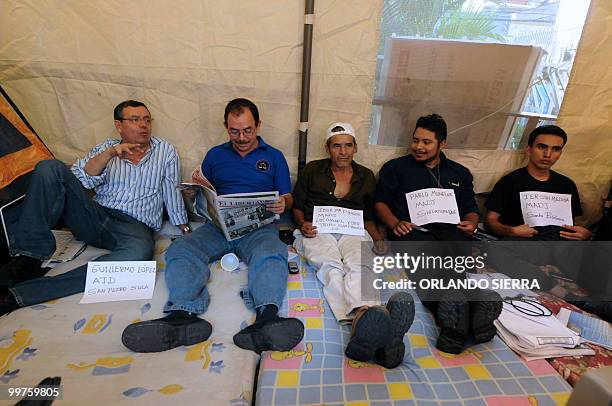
x: 188, y: 272
x: 54, y: 193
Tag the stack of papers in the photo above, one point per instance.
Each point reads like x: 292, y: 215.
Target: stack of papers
x: 538, y: 337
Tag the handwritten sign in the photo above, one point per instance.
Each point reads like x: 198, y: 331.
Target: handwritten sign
x: 122, y: 280
x: 546, y: 209
x: 433, y: 205
x: 332, y: 219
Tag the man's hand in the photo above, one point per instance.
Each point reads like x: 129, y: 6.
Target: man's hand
x: 579, y: 233
x: 125, y: 151
x: 468, y: 227
x: 277, y: 207
x: 308, y: 230
x: 523, y: 231
x: 402, y: 228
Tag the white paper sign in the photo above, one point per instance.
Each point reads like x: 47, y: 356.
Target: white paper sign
x: 121, y: 280
x: 332, y: 219
x: 433, y: 205
x: 546, y: 209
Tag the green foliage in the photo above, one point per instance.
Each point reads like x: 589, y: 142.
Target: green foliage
x: 437, y: 19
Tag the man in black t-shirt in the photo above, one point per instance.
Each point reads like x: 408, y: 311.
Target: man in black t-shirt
x: 427, y: 167
x: 504, y: 216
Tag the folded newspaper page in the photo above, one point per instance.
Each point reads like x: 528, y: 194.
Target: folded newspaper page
x: 235, y: 214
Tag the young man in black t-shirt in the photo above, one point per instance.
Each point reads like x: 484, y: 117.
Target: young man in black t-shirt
x: 504, y: 216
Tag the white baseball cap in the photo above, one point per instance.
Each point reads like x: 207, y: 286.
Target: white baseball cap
x: 340, y: 128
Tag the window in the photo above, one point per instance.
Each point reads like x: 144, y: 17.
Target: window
x: 493, y: 69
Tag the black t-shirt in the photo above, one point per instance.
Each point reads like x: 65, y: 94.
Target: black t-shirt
x: 505, y: 197
x: 405, y: 174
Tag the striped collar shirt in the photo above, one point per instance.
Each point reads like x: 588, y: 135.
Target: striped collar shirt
x: 138, y: 190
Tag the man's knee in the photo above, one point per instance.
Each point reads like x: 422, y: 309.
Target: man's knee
x: 49, y: 167
x: 179, y: 248
x: 140, y: 250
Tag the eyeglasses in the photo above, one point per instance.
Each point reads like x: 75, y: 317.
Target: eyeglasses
x: 136, y: 120
x: 236, y: 132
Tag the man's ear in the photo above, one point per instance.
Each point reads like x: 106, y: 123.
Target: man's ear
x: 442, y: 144
x: 118, y: 124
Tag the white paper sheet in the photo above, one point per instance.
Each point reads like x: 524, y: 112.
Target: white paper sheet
x: 332, y: 219
x: 546, y: 209
x: 121, y: 280
x: 433, y: 205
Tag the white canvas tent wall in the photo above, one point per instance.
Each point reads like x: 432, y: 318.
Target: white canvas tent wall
x: 66, y: 64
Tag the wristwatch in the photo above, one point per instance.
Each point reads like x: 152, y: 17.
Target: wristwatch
x: 186, y: 229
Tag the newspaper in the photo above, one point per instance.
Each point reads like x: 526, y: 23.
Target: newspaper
x: 592, y: 330
x: 235, y: 214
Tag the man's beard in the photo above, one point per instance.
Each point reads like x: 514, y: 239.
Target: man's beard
x: 431, y: 158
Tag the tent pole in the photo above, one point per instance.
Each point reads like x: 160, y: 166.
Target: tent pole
x: 305, y: 98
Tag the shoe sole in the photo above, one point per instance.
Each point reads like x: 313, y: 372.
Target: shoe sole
x: 453, y: 317
x: 281, y: 335
x: 485, y: 311
x: 371, y: 333
x: 157, y: 336
x: 401, y: 313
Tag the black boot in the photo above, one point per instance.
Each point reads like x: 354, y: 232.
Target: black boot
x: 176, y: 329
x: 453, y: 317
x: 270, y: 332
x: 485, y: 308
x: 371, y: 331
x: 401, y: 311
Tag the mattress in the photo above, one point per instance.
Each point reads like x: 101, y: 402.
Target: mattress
x: 317, y: 372
x: 81, y: 343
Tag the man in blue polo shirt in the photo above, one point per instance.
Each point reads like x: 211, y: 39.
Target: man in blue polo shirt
x: 242, y: 165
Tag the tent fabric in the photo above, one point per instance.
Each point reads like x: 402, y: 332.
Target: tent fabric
x: 20, y: 148
x: 68, y: 63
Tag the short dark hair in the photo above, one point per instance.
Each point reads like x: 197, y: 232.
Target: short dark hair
x: 547, y: 129
x: 434, y: 123
x: 237, y: 106
x: 118, y: 112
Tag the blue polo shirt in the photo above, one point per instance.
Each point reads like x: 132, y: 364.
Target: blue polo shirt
x: 262, y: 170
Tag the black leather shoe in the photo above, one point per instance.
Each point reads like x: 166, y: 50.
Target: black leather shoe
x: 453, y: 317
x: 401, y: 312
x: 273, y: 334
x: 166, y: 333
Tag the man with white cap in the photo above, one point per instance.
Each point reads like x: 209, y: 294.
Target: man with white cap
x: 340, y: 181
